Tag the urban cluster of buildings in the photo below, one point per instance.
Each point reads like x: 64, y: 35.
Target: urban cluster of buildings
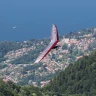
x: 54, y: 61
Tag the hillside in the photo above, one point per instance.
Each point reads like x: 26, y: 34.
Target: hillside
x: 17, y: 58
x: 11, y: 89
x: 78, y: 78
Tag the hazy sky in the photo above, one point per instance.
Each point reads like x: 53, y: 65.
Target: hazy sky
x: 27, y: 19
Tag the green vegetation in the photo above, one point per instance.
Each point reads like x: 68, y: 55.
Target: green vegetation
x: 11, y: 89
x: 8, y: 46
x: 3, y: 66
x: 35, y: 78
x: 30, y: 57
x: 78, y: 78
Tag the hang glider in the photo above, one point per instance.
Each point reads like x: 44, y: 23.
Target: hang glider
x: 52, y: 44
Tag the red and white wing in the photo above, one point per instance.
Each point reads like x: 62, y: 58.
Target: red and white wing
x: 54, y: 41
x: 54, y: 34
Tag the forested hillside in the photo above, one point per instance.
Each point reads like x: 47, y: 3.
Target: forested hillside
x: 5, y: 47
x: 11, y: 89
x: 78, y: 78
x: 17, y: 58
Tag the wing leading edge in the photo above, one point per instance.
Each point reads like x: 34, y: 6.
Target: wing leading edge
x: 54, y: 34
x: 54, y: 41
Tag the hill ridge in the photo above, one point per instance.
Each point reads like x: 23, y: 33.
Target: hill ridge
x: 73, y: 46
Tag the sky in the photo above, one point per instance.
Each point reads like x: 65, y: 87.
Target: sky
x: 31, y: 19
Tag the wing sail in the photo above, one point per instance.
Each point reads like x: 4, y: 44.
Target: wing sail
x: 54, y: 34
x: 54, y: 41
x: 45, y: 52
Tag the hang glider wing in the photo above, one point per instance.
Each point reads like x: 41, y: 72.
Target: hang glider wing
x: 54, y: 34
x: 52, y: 44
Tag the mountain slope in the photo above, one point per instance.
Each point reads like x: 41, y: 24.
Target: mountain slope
x: 77, y: 78
x: 11, y: 89
x: 17, y: 60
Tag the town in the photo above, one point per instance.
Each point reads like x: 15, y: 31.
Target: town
x: 74, y: 46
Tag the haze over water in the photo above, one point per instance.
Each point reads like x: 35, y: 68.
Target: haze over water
x: 26, y: 19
